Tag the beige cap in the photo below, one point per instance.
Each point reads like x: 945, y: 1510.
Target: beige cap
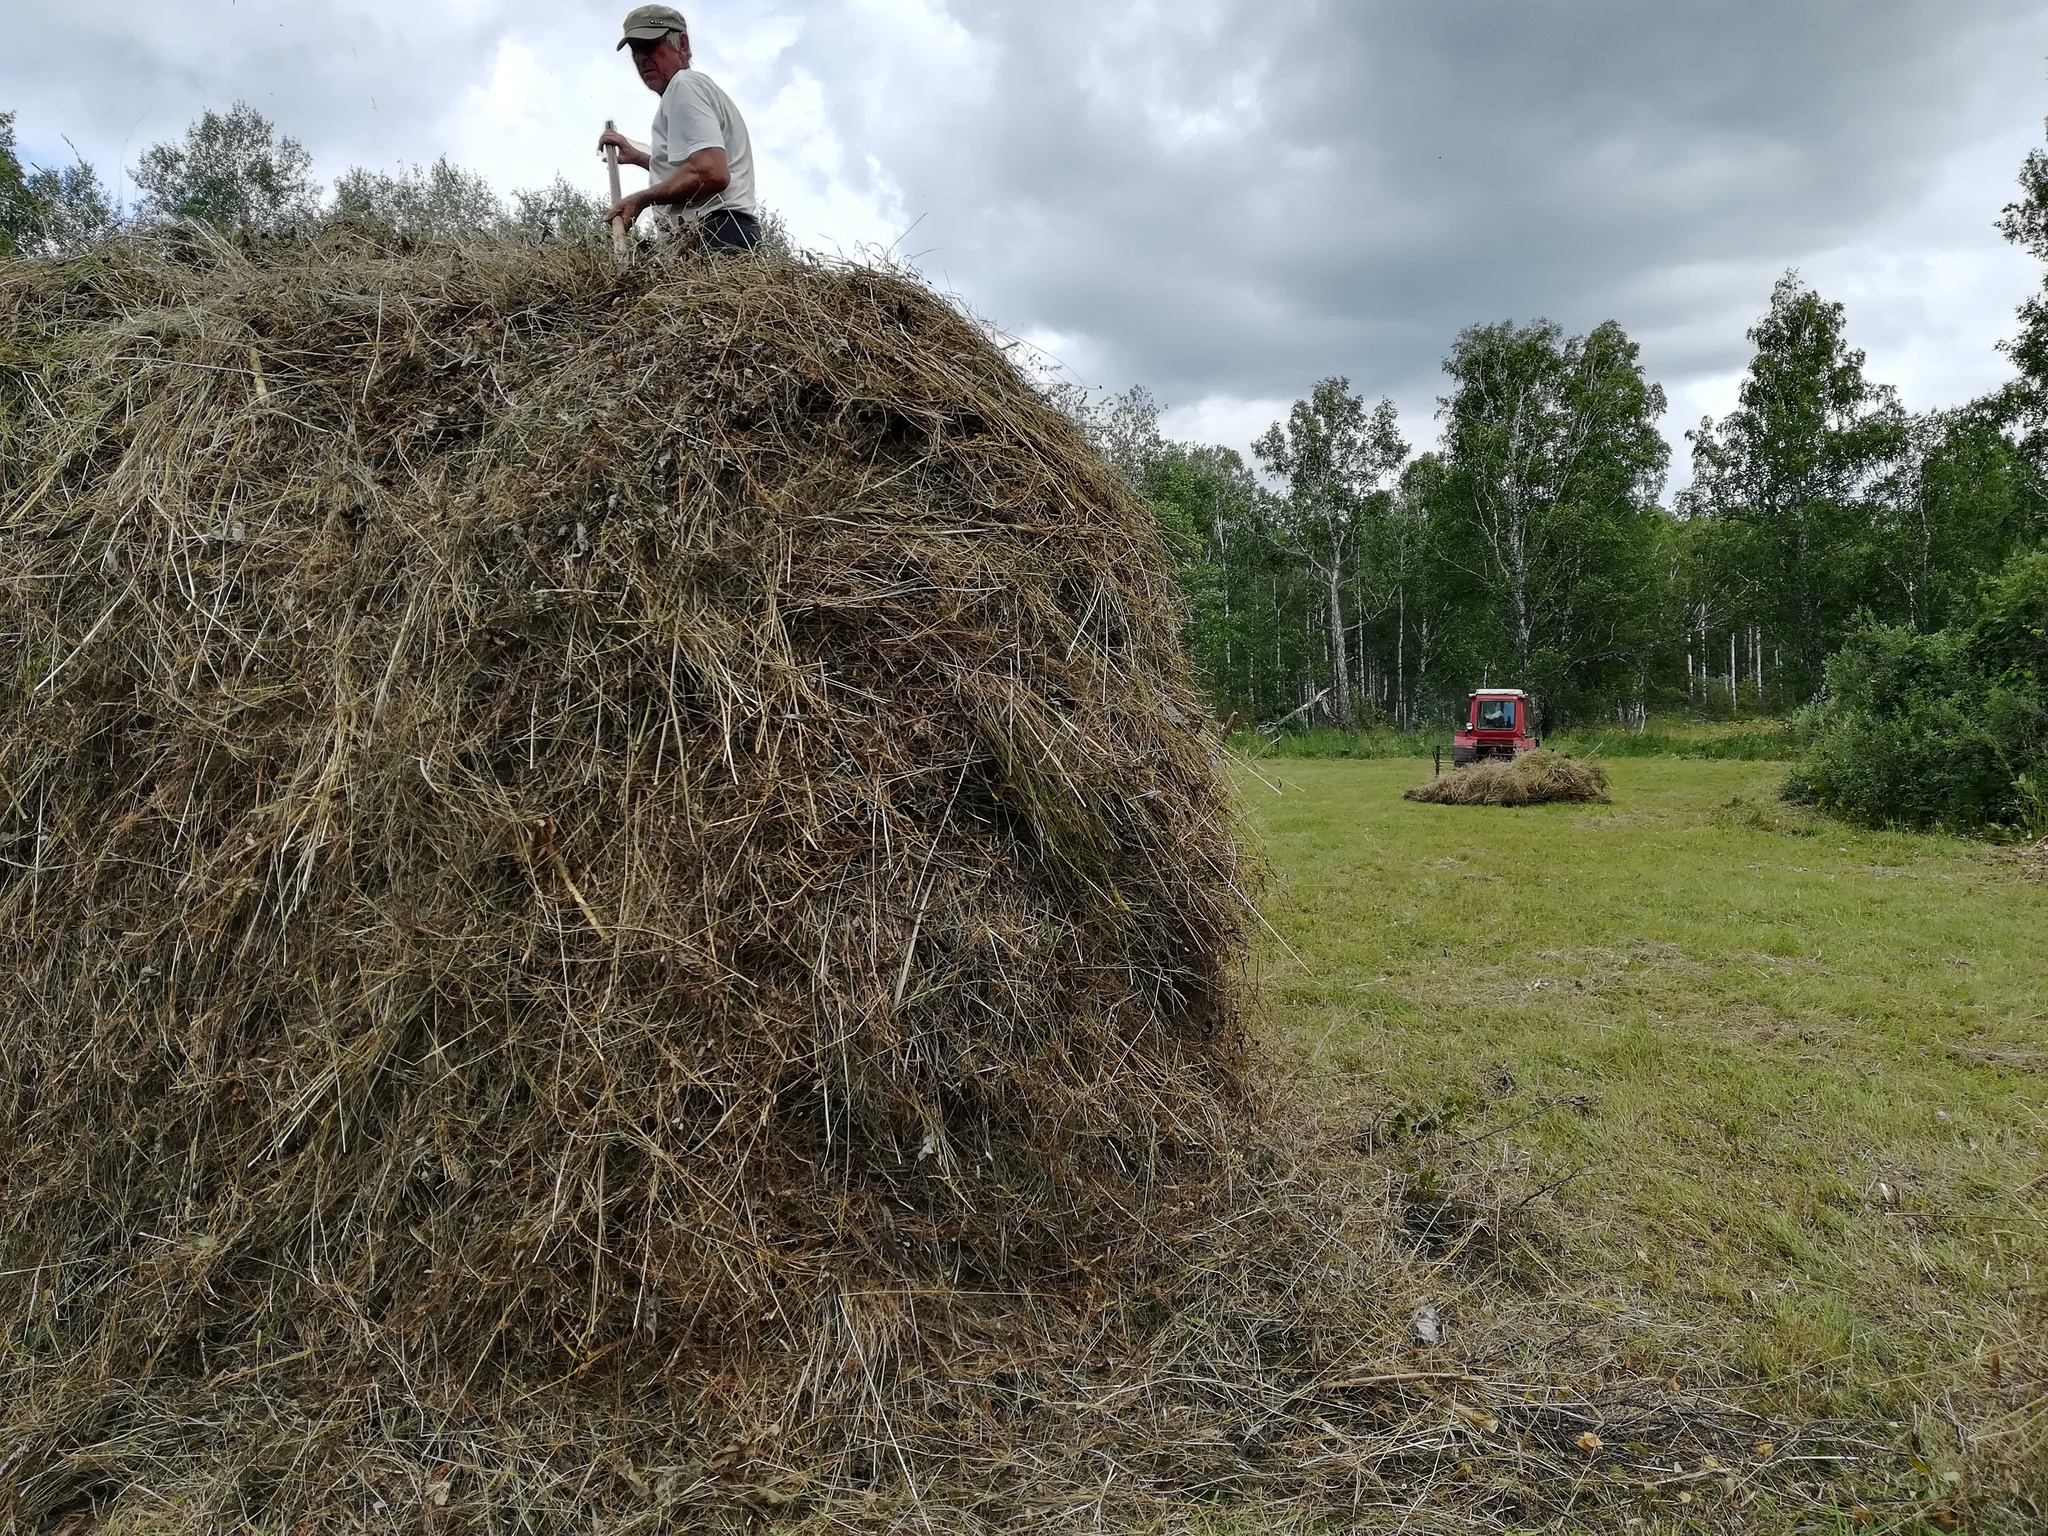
x: 651, y: 23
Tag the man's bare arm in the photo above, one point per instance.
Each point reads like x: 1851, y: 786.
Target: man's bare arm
x: 705, y: 174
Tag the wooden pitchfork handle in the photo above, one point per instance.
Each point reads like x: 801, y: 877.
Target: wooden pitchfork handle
x: 611, y: 165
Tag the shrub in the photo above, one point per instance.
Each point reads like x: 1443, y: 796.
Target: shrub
x: 1939, y: 730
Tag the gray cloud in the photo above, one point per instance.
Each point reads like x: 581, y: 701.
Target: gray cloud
x: 1384, y: 172
x: 1226, y: 199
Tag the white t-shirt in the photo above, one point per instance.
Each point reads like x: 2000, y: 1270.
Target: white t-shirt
x: 695, y: 114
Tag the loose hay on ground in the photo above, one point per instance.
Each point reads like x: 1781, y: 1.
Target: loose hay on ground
x: 1535, y: 778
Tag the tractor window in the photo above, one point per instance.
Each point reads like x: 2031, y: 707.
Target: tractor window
x: 1496, y: 714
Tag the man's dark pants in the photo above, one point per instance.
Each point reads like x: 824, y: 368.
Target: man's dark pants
x: 727, y: 229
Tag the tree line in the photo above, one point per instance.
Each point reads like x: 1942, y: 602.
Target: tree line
x: 235, y: 171
x: 1338, y: 578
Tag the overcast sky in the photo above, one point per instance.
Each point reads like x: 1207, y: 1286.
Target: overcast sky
x: 1222, y: 200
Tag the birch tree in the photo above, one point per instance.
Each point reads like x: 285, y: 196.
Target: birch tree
x: 1798, y: 461
x: 49, y: 210
x: 1551, y: 464
x: 17, y: 207
x: 1335, y: 458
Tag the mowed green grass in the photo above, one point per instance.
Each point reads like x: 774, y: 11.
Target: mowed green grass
x: 1795, y: 1076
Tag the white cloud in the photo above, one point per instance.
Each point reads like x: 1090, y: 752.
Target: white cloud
x: 503, y: 103
x: 1231, y: 420
x: 801, y: 155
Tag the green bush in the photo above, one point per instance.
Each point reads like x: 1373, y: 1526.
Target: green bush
x: 1943, y: 730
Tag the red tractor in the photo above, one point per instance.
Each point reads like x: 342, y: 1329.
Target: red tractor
x: 1498, y: 723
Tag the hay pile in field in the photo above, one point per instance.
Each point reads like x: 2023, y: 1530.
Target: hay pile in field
x: 1535, y: 778
x: 562, y: 830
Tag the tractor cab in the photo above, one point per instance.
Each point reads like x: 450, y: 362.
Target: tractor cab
x: 1499, y: 722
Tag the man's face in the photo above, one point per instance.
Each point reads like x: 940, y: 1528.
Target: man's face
x: 661, y: 62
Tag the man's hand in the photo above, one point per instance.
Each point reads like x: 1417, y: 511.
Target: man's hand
x: 629, y: 208
x: 629, y: 152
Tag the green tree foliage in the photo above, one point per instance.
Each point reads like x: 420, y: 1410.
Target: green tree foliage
x: 1958, y: 503
x: 232, y: 170
x: 1433, y: 648
x: 444, y: 201
x: 1544, y: 501
x: 2023, y: 406
x: 1948, y: 729
x: 440, y: 199
x: 1211, y: 511
x: 2025, y: 224
x: 1797, y: 465
x: 49, y: 210
x: 1243, y: 629
x: 1940, y: 717
x: 1529, y: 548
x: 75, y: 207
x: 1254, y: 624
x: 17, y: 210
x: 560, y: 211
x: 1335, y: 457
x: 1124, y: 429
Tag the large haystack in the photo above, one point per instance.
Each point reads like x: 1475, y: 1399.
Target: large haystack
x: 599, y: 871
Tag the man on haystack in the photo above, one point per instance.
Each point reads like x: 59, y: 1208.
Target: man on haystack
x: 700, y: 165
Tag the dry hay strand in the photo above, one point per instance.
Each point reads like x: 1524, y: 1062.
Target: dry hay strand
x: 616, y: 912
x: 1542, y: 777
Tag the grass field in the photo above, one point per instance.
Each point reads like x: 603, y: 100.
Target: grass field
x: 1782, y: 1087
